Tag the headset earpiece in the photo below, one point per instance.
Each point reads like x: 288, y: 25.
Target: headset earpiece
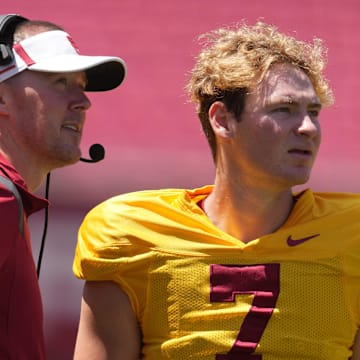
x: 8, y: 24
x: 6, y: 55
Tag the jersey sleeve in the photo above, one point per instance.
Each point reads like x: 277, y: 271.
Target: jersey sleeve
x: 110, y: 248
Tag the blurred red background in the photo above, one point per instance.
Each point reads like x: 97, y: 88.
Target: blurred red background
x: 149, y: 129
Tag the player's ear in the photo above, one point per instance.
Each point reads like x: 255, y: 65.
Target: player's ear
x: 220, y: 119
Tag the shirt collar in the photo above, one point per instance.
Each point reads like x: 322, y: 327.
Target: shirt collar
x: 31, y: 202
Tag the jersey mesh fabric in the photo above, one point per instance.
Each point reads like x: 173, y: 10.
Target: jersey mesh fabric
x: 201, y: 294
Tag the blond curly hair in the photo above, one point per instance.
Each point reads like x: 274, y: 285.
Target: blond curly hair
x: 233, y: 59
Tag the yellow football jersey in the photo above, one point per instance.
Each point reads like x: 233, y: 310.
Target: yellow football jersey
x: 199, y: 293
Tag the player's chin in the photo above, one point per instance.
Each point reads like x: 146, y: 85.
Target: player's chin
x: 301, y: 177
x: 297, y: 175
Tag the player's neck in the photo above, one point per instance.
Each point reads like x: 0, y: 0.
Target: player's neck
x: 247, y: 214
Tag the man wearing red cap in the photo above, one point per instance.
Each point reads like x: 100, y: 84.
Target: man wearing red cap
x: 43, y: 106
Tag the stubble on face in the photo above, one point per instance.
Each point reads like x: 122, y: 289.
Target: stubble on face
x: 37, y: 113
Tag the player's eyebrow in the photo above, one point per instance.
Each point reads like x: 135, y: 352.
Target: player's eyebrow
x: 291, y: 100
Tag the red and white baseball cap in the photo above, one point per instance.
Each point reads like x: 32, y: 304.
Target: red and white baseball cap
x: 55, y: 51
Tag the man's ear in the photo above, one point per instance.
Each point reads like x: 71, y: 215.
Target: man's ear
x: 220, y: 119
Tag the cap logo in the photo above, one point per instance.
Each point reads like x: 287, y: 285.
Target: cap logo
x: 40, y: 52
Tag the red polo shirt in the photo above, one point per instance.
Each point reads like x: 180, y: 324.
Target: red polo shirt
x: 21, y: 314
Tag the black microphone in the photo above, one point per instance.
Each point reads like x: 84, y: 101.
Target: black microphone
x: 96, y: 152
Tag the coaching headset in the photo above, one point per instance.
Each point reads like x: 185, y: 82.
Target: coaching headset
x: 8, y: 24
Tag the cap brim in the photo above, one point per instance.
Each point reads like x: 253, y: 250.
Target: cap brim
x: 103, y: 72
x: 106, y: 76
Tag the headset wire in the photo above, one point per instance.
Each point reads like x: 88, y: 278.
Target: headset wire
x: 46, y: 216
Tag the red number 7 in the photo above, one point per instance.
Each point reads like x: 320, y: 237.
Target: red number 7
x: 262, y: 280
